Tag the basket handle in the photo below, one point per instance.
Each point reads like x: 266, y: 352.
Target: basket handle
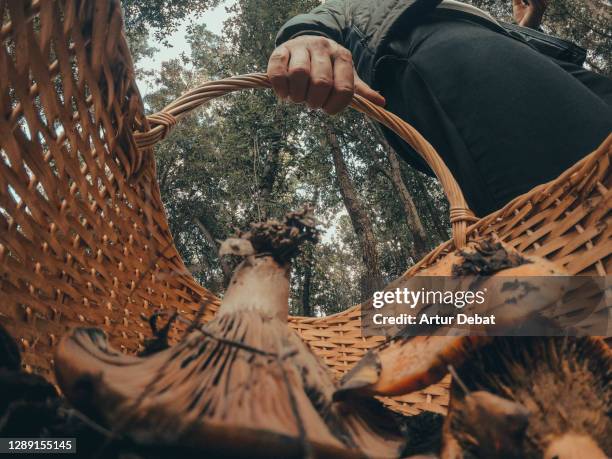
x: 161, y: 123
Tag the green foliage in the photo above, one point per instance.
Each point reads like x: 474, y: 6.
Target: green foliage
x: 161, y: 16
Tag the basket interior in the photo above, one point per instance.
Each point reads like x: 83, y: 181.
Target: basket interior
x: 84, y: 239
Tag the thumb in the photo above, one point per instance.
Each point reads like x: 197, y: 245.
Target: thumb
x: 365, y: 91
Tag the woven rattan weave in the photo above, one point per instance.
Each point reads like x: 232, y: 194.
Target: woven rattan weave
x: 84, y: 238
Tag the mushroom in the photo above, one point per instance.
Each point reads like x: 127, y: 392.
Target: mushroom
x: 557, y: 393
x: 511, y: 397
x: 517, y: 292
x: 243, y: 385
x: 495, y: 424
x: 522, y: 397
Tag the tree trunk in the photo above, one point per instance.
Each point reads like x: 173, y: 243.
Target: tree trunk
x: 270, y: 173
x: 413, y: 220
x: 372, y: 279
x: 306, y: 306
x: 439, y: 226
x: 309, y: 262
x: 227, y: 270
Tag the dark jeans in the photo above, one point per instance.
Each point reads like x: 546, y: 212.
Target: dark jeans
x: 504, y: 117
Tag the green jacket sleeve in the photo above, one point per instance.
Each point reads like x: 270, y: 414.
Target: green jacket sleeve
x: 329, y: 20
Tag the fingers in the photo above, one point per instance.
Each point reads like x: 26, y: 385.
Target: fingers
x: 318, y: 71
x: 344, y: 83
x: 298, y: 74
x: 321, y: 80
x: 277, y: 71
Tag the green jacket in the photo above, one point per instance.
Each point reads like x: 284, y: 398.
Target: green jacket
x: 362, y: 26
x: 365, y: 26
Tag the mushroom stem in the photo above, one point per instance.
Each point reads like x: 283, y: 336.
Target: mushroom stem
x: 259, y: 284
x: 243, y: 385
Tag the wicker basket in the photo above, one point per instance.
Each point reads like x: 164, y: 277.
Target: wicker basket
x: 84, y: 239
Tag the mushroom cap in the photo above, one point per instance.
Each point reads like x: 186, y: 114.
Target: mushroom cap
x: 245, y: 384
x: 564, y: 383
x: 406, y: 363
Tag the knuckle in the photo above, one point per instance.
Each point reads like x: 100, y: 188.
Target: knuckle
x: 344, y: 90
x: 299, y: 39
x: 299, y: 71
x: 279, y: 53
x: 344, y: 54
x: 321, y: 42
x: 321, y: 82
x: 277, y: 77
